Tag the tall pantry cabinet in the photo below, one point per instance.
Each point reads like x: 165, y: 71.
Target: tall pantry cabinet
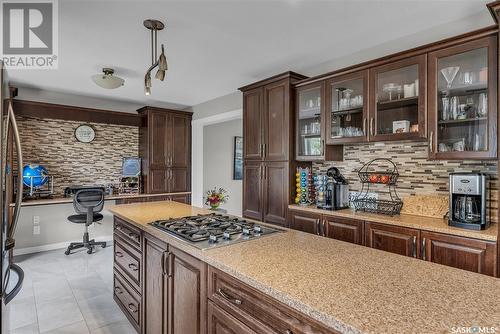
x: 165, y: 149
x: 268, y: 147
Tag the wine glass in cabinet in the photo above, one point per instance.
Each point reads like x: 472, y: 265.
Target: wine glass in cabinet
x: 462, y: 101
x: 346, y: 108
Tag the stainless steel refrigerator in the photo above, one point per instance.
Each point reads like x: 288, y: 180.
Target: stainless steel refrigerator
x: 12, y: 274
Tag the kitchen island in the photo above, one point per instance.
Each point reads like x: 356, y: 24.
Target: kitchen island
x: 313, y: 284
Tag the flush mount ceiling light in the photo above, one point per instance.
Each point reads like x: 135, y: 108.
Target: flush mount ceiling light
x: 161, y: 62
x: 107, y: 79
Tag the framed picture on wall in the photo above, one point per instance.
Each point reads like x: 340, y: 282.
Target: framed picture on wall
x: 238, y: 158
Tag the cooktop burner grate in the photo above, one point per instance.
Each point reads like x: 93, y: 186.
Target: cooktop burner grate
x: 201, y: 227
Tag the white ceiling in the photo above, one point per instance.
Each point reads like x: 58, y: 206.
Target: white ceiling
x: 214, y: 47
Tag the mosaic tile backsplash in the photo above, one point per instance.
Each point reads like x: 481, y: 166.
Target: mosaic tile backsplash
x: 418, y: 175
x: 51, y: 143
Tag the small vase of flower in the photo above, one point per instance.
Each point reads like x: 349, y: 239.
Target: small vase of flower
x: 215, y: 197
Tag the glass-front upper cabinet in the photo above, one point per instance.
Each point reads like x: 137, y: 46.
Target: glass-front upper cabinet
x: 346, y: 108
x: 397, y: 100
x: 309, y: 122
x: 462, y: 101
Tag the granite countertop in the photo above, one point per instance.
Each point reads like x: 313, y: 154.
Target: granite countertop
x: 350, y: 288
x: 65, y: 200
x: 417, y: 222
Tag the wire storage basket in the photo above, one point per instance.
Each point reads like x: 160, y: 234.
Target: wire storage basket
x: 370, y: 174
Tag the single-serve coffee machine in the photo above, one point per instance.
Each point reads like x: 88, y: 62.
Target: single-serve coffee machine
x: 332, y: 190
x: 468, y: 201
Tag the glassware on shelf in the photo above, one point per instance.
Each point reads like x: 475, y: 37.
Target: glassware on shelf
x: 445, y: 112
x: 454, y: 107
x: 391, y: 88
x: 449, y: 74
x: 468, y: 78
x: 482, y: 106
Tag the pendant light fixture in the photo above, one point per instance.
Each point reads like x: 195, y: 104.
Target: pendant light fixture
x: 161, y: 62
x: 107, y: 79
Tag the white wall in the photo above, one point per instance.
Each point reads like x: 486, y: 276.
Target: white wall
x: 55, y: 229
x: 230, y: 102
x: 218, y: 155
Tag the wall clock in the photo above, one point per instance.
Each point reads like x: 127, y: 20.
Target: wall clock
x: 85, y: 133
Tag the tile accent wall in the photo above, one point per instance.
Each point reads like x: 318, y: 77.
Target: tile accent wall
x: 418, y: 175
x: 51, y: 143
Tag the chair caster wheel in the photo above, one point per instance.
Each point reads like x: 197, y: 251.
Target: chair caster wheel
x: 89, y: 251
x: 103, y: 246
x: 66, y: 252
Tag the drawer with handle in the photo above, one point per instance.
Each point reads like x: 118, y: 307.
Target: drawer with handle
x: 129, y: 233
x: 128, y: 261
x: 128, y: 300
x: 256, y: 310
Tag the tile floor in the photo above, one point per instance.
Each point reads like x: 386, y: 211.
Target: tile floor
x: 67, y: 295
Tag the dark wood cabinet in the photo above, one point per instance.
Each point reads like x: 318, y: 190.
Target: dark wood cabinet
x: 128, y: 279
x: 463, y: 105
x: 221, y: 322
x: 346, y: 114
x: 174, y: 290
x: 253, y: 124
x: 180, y: 180
x: 463, y: 253
x: 277, y: 121
x: 155, y: 287
x: 252, y: 190
x: 187, y: 293
x: 398, y: 92
x: 345, y: 229
x: 304, y: 221
x: 394, y: 239
x: 180, y: 140
x: 268, y: 147
x: 165, y: 149
x: 241, y: 305
x: 276, y: 192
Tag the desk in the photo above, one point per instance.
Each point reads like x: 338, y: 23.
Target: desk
x: 66, y: 200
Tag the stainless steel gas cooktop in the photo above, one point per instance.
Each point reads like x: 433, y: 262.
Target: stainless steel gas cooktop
x: 213, y: 230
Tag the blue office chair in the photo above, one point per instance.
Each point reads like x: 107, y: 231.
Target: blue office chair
x: 88, y: 202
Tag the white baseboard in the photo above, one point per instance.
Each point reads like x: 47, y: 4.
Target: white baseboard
x: 59, y: 245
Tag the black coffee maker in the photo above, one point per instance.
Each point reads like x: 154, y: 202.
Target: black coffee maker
x: 468, y: 201
x: 338, y: 188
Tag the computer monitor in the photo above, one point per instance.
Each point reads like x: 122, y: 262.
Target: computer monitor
x: 131, y: 167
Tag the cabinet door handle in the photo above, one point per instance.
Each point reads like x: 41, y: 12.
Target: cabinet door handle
x: 414, y: 246
x: 364, y: 126
x: 431, y: 146
x: 423, y: 249
x: 264, y: 150
x: 372, y: 126
x: 133, y: 266
x: 118, y: 290
x: 317, y: 227
x: 163, y: 266
x: 118, y: 254
x: 261, y: 150
x: 324, y: 228
x: 132, y: 308
x: 322, y: 147
x: 170, y: 268
x: 228, y: 297
x: 133, y: 236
